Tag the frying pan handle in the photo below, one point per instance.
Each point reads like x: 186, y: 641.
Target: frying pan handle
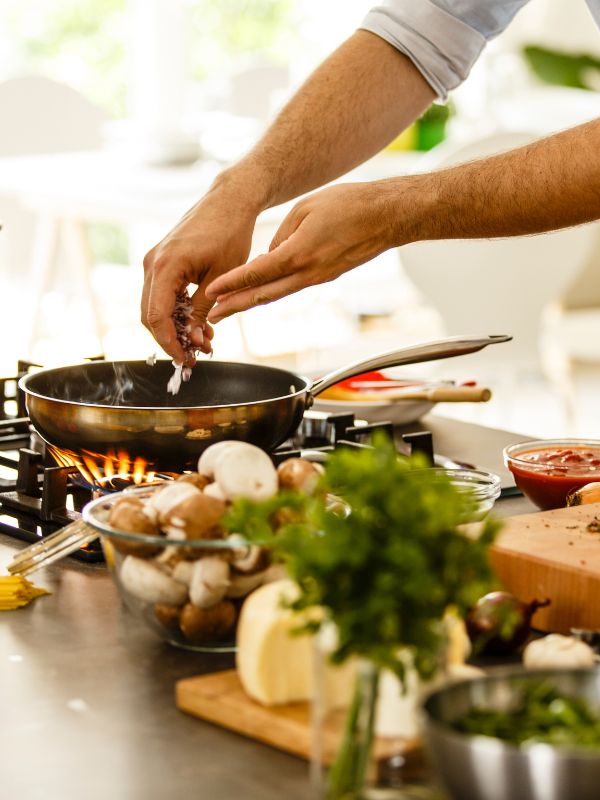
x: 416, y: 354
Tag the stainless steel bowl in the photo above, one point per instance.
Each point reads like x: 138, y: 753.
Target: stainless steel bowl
x: 485, y: 768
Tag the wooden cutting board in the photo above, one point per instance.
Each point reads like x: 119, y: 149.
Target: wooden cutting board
x: 554, y: 554
x: 220, y: 699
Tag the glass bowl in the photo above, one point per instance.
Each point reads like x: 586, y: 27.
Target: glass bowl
x: 548, y: 470
x: 484, y: 488
x: 154, y: 575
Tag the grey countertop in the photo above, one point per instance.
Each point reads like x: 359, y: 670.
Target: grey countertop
x: 87, y: 696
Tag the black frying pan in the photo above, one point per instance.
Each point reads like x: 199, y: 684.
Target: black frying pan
x: 106, y: 407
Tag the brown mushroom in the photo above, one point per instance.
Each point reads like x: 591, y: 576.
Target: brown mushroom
x: 168, y: 616
x: 198, y: 516
x: 207, y: 624
x: 129, y: 515
x: 197, y: 480
x: 299, y: 473
x: 168, y: 497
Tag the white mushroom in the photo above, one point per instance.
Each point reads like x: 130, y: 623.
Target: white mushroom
x: 208, y: 459
x: 214, y: 490
x: 146, y: 581
x: 241, y: 585
x: 246, y: 472
x: 249, y: 558
x: 183, y: 572
x: 169, y: 496
x: 210, y: 580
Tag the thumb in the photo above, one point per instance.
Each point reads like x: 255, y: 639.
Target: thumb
x: 201, y: 333
x: 289, y: 225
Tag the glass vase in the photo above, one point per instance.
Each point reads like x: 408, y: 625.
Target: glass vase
x: 365, y: 733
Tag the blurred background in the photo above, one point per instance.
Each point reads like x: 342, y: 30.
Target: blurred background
x: 117, y: 114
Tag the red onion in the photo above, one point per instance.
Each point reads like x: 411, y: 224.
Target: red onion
x: 181, y: 318
x: 500, y: 623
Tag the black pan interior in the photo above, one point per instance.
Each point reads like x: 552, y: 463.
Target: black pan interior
x: 136, y: 384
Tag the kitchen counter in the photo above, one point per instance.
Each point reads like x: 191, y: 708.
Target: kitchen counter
x: 87, y: 696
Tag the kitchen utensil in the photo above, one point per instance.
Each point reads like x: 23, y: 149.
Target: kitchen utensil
x: 438, y: 394
x: 486, y: 768
x: 220, y: 699
x: 52, y: 548
x: 106, y: 407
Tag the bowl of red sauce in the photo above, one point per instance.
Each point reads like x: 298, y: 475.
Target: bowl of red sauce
x: 548, y: 470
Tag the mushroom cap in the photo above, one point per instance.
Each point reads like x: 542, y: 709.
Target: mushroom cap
x: 167, y: 497
x: 210, y: 456
x: 207, y: 624
x: 214, y: 490
x: 197, y: 480
x: 129, y: 515
x: 246, y: 472
x: 147, y: 581
x: 197, y: 516
x: 299, y: 473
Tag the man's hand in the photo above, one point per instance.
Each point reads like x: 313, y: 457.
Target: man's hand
x: 325, y: 235
x: 212, y: 237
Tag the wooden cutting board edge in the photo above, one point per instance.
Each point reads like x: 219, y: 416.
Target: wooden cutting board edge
x: 551, y: 554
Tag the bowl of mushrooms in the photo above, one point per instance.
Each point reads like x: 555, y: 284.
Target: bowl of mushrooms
x: 176, y: 566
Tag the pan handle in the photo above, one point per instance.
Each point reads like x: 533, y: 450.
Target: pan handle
x: 416, y: 354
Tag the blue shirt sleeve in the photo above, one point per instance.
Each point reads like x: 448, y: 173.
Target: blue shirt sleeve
x: 443, y: 38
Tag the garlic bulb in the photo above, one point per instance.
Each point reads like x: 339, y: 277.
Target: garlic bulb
x: 557, y: 651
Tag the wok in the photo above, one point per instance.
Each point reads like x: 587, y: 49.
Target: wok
x: 105, y: 407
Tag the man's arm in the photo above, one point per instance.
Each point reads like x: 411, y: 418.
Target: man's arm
x: 550, y: 184
x: 355, y: 103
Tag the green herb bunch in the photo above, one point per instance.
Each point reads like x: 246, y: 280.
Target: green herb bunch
x: 385, y: 572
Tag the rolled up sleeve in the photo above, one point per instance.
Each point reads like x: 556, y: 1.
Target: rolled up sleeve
x: 442, y: 46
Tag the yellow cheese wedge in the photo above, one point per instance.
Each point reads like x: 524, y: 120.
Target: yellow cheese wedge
x: 274, y: 666
x: 277, y: 666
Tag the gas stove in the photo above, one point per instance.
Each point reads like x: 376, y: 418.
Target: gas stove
x: 38, y: 497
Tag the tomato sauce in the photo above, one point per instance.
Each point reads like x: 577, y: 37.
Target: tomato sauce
x: 554, y: 473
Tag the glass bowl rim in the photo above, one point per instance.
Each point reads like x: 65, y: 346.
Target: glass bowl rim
x: 483, y: 484
x: 507, y: 672
x: 542, y: 444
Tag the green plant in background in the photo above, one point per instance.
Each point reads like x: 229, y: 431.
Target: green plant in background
x: 563, y: 69
x: 431, y: 127
x: 109, y: 243
x: 228, y: 29
x: 80, y: 42
x: 385, y: 574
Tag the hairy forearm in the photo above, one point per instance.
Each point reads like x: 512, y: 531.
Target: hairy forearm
x: 553, y: 183
x: 356, y: 102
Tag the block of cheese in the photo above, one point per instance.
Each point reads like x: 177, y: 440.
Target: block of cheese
x: 277, y: 666
x: 274, y: 666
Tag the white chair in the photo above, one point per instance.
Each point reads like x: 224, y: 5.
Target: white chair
x: 498, y: 285
x: 40, y: 115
